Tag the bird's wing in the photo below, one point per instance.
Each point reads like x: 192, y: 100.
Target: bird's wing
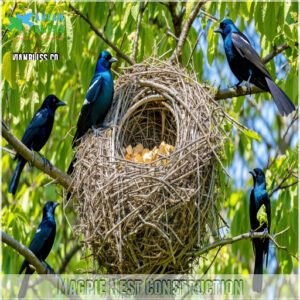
x: 94, y: 89
x: 39, y: 119
x: 83, y: 123
x: 45, y: 230
x: 242, y: 45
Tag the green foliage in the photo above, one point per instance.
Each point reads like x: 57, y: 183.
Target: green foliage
x: 25, y: 84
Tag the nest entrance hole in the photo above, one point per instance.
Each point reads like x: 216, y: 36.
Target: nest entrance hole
x: 150, y: 124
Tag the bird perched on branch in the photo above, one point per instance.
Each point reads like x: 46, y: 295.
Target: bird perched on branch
x: 98, y: 98
x: 36, y: 134
x: 246, y: 65
x: 41, y: 243
x: 97, y: 101
x: 260, y: 220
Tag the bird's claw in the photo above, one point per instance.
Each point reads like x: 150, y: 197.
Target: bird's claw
x: 251, y: 233
x: 46, y: 161
x: 97, y: 131
x: 237, y: 85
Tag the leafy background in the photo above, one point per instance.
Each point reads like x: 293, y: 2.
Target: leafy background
x: 274, y: 146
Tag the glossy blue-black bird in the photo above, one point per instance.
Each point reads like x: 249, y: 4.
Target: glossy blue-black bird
x: 36, y: 134
x: 258, y: 197
x: 98, y: 98
x: 246, y: 65
x: 41, y: 243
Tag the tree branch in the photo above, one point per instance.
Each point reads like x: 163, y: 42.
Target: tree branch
x: 244, y: 236
x: 237, y: 92
x: 101, y: 35
x: 243, y: 90
x: 142, y: 7
x: 62, y: 178
x: 282, y: 187
x: 185, y: 30
x: 276, y: 51
x: 38, y: 265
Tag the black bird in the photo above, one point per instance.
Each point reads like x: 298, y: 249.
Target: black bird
x: 97, y: 101
x: 246, y: 65
x: 41, y: 244
x: 36, y: 134
x: 258, y: 197
x: 98, y: 98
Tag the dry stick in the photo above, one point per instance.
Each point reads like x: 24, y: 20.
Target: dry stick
x: 243, y: 90
x: 38, y: 265
x: 244, y: 236
x: 185, y: 30
x: 101, y: 35
x: 142, y: 8
x: 61, y: 178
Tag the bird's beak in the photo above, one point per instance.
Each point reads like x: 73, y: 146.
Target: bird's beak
x: 112, y: 60
x: 55, y: 205
x: 219, y: 30
x: 253, y: 174
x: 60, y: 103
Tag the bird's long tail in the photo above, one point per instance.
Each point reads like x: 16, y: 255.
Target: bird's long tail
x: 258, y: 269
x: 16, y: 176
x: 282, y: 101
x: 24, y: 285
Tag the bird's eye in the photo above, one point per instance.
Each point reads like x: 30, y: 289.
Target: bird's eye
x: 108, y: 57
x: 222, y: 25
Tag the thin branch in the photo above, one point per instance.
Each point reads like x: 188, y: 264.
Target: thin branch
x: 40, y: 268
x: 194, y: 48
x: 209, y: 16
x: 282, y: 187
x: 185, y: 30
x: 244, y: 236
x: 68, y: 257
x: 62, y: 178
x: 142, y: 8
x: 102, y: 36
x: 243, y: 90
x: 276, y: 51
x: 295, y: 118
x: 14, y: 8
x: 211, y: 263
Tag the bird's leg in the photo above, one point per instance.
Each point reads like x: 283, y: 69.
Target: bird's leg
x: 248, y: 84
x: 237, y: 85
x: 266, y: 232
x: 105, y: 126
x: 251, y: 233
x: 98, y: 130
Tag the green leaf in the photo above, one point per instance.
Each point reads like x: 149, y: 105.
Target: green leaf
x: 261, y: 215
x: 9, y: 69
x: 69, y: 33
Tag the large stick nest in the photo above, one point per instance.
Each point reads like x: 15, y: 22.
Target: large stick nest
x: 149, y: 218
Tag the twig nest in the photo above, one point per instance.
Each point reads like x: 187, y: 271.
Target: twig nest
x: 149, y: 217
